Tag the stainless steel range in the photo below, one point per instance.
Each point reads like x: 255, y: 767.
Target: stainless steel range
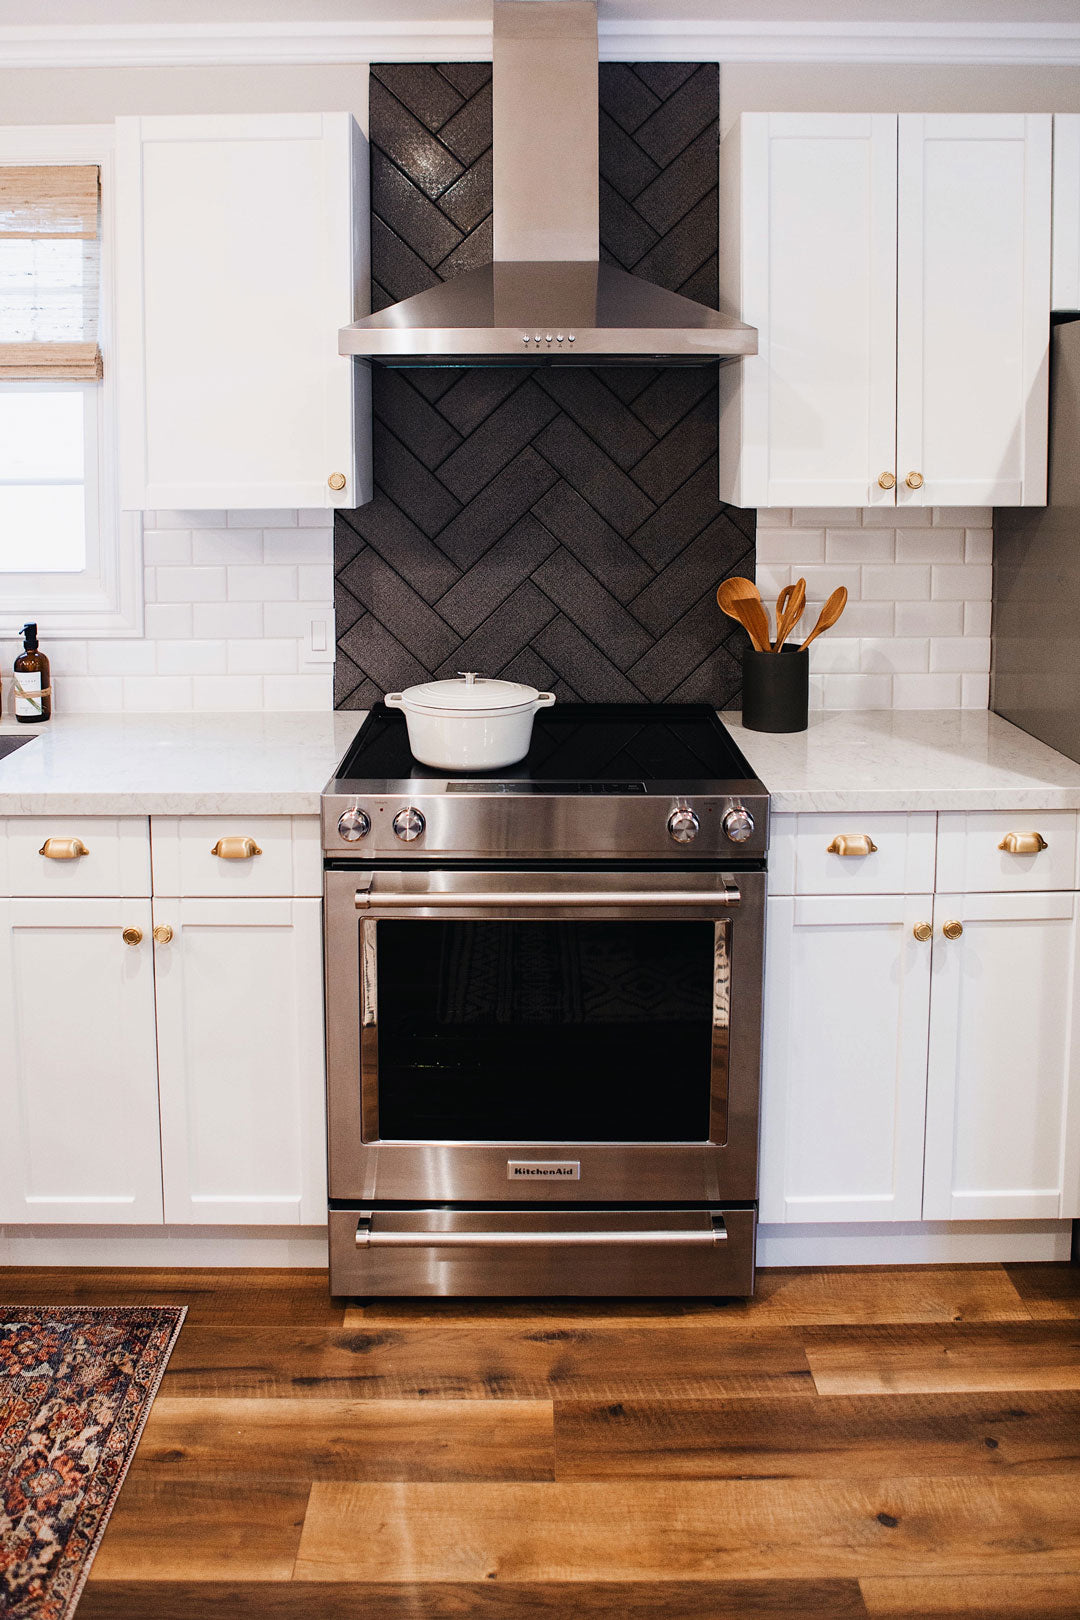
x: 544, y: 1011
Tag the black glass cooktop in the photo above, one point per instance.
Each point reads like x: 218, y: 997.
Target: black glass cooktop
x: 576, y: 748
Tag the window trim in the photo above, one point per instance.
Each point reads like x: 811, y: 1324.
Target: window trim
x: 109, y: 600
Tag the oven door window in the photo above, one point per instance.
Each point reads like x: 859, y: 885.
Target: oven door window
x: 549, y: 1031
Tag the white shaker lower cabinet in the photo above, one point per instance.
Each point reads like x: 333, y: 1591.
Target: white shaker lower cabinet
x: 844, y: 1083
x: 78, y: 1079
x: 240, y: 1053
x: 241, y: 250
x: 1001, y: 1139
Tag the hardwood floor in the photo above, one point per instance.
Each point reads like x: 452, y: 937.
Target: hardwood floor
x: 863, y: 1442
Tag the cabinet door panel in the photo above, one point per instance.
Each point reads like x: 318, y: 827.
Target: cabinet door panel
x: 972, y: 308
x: 1003, y: 1059
x: 236, y: 267
x: 810, y: 420
x: 239, y: 990
x: 78, y: 1064
x: 847, y: 1005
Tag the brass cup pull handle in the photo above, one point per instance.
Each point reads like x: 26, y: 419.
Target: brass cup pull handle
x: 923, y: 931
x: 162, y: 934
x: 852, y: 844
x: 887, y: 480
x: 236, y: 849
x: 1025, y: 843
x: 132, y: 936
x: 63, y: 849
x: 952, y: 929
x: 914, y: 480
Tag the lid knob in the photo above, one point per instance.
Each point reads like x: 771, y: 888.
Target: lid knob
x: 469, y: 676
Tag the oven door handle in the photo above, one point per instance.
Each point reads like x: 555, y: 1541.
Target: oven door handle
x: 367, y: 1239
x: 543, y: 899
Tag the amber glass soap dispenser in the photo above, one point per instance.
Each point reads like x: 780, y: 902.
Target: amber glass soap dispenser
x: 33, y: 689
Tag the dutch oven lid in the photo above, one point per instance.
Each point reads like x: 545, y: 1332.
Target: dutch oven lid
x: 469, y: 694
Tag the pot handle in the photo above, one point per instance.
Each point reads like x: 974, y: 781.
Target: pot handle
x: 393, y: 700
x: 544, y: 700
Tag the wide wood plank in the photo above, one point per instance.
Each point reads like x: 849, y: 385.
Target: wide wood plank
x: 691, y: 1530
x: 996, y: 1597
x: 820, y: 1438
x: 491, y: 1359
x: 1048, y: 1291
x: 305, y: 1440
x: 881, y: 1294
x: 239, y: 1294
x: 179, y: 1530
x: 476, y: 1600
x: 1005, y: 1357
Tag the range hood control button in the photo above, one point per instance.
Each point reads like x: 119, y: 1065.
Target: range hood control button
x: 683, y: 825
x: 738, y: 825
x: 354, y: 825
x: 408, y: 824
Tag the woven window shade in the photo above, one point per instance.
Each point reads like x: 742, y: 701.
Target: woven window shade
x: 49, y: 273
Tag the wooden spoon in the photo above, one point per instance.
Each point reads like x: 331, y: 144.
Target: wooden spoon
x: 829, y: 614
x: 789, y: 610
x: 740, y: 599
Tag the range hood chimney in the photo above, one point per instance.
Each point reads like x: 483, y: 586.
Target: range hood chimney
x: 547, y: 299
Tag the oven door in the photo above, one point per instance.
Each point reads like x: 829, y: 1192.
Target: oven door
x: 568, y: 1036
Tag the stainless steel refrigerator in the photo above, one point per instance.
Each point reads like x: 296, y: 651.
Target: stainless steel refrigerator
x: 1035, y: 664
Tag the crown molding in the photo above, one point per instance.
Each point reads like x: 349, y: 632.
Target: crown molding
x: 307, y: 44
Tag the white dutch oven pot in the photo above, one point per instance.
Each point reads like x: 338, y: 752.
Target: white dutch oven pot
x: 471, y: 724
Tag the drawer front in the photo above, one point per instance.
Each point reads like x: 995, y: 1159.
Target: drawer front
x: 971, y: 856
x: 255, y: 855
x: 864, y: 854
x: 116, y: 862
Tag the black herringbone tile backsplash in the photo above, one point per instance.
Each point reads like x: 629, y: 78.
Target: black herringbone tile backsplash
x: 557, y: 526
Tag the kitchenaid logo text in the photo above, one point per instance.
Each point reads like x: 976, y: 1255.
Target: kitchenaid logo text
x: 543, y: 1170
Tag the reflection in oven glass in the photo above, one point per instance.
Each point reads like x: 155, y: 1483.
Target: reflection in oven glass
x: 545, y: 1031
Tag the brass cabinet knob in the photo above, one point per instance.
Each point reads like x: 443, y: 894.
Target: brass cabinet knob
x: 952, y: 929
x: 162, y: 934
x: 887, y: 480
x: 914, y: 480
x: 132, y: 936
x: 1026, y: 843
x: 923, y: 931
x: 337, y: 480
x: 852, y: 844
x: 236, y: 849
x: 63, y: 849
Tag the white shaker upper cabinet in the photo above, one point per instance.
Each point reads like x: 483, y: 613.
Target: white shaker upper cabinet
x: 808, y: 256
x: 898, y: 272
x: 973, y: 297
x: 241, y: 249
x: 1065, y: 276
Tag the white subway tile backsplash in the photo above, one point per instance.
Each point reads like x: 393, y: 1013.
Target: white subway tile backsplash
x: 189, y: 520
x: 191, y: 585
x: 214, y: 619
x: 978, y: 545
x: 976, y: 691
x: 222, y: 693
x: 314, y: 581
x: 170, y: 546
x: 822, y: 581
x: 156, y: 694
x: 827, y: 517
x: 832, y: 654
x: 265, y: 518
x: 227, y: 546
x: 192, y: 658
x: 929, y: 545
x: 168, y: 621
x: 90, y: 694
x: 977, y: 616
x: 960, y: 655
x: 774, y: 517
x: 929, y: 618
x: 122, y: 657
x: 858, y: 546
x: 926, y: 691
x: 779, y: 547
x: 966, y: 583
x: 894, y: 655
x: 309, y: 691
x: 903, y: 582
x: 895, y: 517
x: 316, y: 517
x: 262, y: 584
x: 263, y: 656
x: 293, y: 618
x: 858, y: 691
x: 963, y: 517
x: 771, y: 581
x: 859, y: 619
x: 312, y: 546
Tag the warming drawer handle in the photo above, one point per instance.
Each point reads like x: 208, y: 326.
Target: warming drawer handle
x: 442, y: 900
x: 366, y: 1239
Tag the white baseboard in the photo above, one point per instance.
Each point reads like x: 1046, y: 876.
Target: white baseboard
x: 163, y: 1246
x: 913, y: 1243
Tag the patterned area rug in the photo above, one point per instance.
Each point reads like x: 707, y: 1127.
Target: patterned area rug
x: 76, y: 1387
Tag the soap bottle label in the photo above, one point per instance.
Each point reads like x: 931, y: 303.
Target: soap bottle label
x: 27, y: 702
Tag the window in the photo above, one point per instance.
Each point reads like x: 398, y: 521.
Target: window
x: 67, y: 556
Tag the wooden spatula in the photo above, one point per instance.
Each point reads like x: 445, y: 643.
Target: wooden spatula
x: 829, y: 614
x: 740, y: 599
x: 789, y: 609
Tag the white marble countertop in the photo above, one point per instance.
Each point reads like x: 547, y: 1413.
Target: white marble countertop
x: 173, y: 764
x: 903, y: 759
x: 251, y: 764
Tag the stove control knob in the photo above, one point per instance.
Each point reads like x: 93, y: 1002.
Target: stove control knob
x: 354, y: 825
x: 683, y: 825
x: 738, y: 824
x: 408, y: 824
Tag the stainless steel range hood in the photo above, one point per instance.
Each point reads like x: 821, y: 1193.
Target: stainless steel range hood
x: 547, y: 299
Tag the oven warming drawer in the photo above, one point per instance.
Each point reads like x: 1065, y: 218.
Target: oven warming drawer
x: 542, y: 1251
